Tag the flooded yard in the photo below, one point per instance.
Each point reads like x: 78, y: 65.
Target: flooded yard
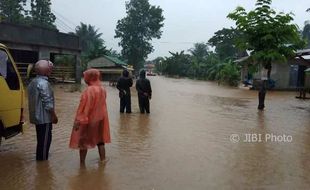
x: 185, y: 143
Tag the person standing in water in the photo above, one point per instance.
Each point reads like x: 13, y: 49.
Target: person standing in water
x: 42, y: 107
x: 144, y: 89
x: 123, y: 85
x: 91, y: 125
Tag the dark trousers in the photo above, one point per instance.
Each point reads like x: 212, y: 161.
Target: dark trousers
x: 144, y: 104
x: 125, y: 103
x: 44, y: 139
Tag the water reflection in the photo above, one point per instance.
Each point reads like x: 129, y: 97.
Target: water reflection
x: 261, y: 119
x: 90, y: 178
x: 183, y: 144
x: 44, y: 177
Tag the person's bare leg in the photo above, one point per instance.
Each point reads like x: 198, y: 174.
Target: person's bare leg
x: 83, y: 153
x: 101, y: 150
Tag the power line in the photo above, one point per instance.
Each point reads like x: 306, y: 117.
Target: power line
x: 63, y: 23
x: 61, y: 26
x: 65, y: 19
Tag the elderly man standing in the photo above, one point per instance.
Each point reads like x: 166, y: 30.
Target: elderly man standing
x: 42, y: 107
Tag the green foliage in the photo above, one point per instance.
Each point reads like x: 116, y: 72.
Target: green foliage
x: 229, y: 74
x: 177, y: 64
x: 41, y: 14
x: 225, y: 41
x: 159, y: 67
x: 64, y: 60
x: 202, y: 66
x: 270, y: 36
x: 114, y: 53
x: 12, y: 11
x: 200, y: 50
x: 142, y: 23
x: 306, y: 33
x: 91, y: 43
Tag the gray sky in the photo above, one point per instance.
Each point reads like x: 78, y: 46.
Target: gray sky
x: 186, y: 21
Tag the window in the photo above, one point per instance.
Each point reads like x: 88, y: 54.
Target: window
x: 7, y: 71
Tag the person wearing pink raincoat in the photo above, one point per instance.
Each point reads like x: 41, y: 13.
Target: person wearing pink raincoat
x: 91, y: 125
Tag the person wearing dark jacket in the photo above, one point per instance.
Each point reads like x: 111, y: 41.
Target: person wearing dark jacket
x: 144, y: 89
x: 123, y: 85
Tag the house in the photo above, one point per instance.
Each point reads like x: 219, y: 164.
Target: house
x: 287, y: 76
x: 28, y: 44
x: 111, y: 68
x: 149, y: 66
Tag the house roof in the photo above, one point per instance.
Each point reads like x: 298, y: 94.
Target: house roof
x: 106, y: 62
x: 116, y: 60
x: 303, y: 52
x: 301, y: 56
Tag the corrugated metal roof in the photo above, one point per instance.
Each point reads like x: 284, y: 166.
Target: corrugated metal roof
x: 116, y: 60
x: 106, y: 61
x: 303, y: 52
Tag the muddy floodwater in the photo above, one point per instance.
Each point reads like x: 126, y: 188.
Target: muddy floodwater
x: 196, y: 137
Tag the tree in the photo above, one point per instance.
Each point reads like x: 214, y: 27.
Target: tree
x: 178, y: 64
x: 142, y: 23
x: 200, y: 50
x: 225, y: 41
x: 91, y: 42
x: 41, y: 14
x: 116, y: 54
x: 159, y: 64
x: 12, y: 10
x: 271, y: 37
x: 306, y: 33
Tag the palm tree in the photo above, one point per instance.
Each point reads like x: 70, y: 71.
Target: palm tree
x: 91, y: 42
x: 89, y: 35
x: 200, y: 50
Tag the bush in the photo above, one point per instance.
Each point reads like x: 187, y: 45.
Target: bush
x: 229, y: 74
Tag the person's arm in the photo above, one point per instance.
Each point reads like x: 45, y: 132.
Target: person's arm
x: 138, y: 87
x: 118, y: 86
x: 130, y: 82
x: 54, y: 117
x: 48, y: 100
x: 149, y: 89
x: 81, y: 117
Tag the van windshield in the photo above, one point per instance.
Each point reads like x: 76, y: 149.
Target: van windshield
x: 7, y: 71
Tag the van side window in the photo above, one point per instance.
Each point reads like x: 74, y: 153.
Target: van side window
x: 7, y: 71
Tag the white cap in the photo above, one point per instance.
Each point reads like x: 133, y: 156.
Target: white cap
x: 44, y: 64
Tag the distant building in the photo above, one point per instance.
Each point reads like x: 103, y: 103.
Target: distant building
x: 110, y: 67
x: 290, y: 75
x: 28, y: 44
x: 149, y: 67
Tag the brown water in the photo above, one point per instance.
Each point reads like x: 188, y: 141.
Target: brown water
x: 183, y: 144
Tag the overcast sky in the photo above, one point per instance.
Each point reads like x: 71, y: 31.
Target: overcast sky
x: 186, y: 21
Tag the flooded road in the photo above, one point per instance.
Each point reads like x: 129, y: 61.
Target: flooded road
x: 185, y: 143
